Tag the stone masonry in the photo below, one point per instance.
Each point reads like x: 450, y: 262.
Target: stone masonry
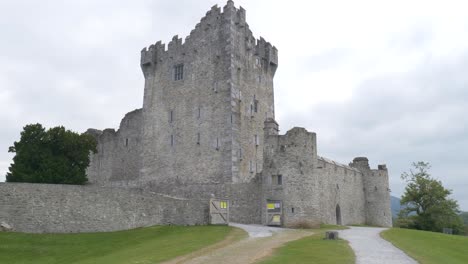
x: 206, y: 130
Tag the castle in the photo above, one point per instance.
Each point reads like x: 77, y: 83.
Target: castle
x: 207, y: 131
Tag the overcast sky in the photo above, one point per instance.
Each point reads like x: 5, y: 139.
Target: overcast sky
x: 382, y: 79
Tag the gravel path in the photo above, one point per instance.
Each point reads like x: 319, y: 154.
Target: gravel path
x: 260, y: 243
x: 370, y: 248
x: 259, y: 230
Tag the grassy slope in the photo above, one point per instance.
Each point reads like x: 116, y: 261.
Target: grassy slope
x: 143, y: 245
x: 314, y: 249
x: 429, y: 247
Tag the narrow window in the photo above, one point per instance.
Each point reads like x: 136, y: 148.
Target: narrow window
x: 171, y: 116
x: 240, y: 154
x: 198, y: 138
x: 231, y: 118
x: 251, y: 166
x: 280, y: 180
x: 292, y: 210
x: 215, y: 87
x: 251, y: 110
x: 179, y: 72
x: 256, y: 140
x: 240, y: 96
x: 217, y: 143
x: 255, y: 104
x: 199, y: 113
x: 126, y: 142
x: 172, y: 140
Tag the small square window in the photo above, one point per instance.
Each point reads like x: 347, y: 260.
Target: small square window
x: 179, y: 72
x: 277, y: 179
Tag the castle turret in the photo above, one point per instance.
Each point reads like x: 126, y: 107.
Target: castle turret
x: 376, y: 192
x: 271, y: 127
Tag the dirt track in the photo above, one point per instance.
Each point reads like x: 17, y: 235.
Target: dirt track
x: 248, y: 249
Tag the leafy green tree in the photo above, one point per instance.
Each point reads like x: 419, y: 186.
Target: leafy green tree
x: 57, y: 156
x: 427, y: 203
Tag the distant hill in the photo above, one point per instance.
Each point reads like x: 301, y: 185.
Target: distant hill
x: 395, y: 206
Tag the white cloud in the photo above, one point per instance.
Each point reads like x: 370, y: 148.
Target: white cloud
x: 370, y: 72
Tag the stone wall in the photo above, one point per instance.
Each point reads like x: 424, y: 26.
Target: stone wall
x: 47, y: 208
x: 187, y: 123
x: 119, y: 153
x: 207, y: 127
x: 313, y: 189
x: 340, y: 186
x: 244, y: 197
x: 293, y: 158
x: 376, y: 191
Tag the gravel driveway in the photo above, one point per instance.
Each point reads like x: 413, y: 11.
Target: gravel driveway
x: 260, y: 243
x: 370, y: 248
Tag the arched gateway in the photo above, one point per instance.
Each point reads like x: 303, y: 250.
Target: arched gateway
x: 338, y: 214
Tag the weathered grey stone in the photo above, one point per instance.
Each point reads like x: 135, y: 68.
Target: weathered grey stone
x: 331, y: 235
x: 210, y: 134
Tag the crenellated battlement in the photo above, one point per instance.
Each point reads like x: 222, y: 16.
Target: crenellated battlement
x: 268, y: 53
x: 215, y: 20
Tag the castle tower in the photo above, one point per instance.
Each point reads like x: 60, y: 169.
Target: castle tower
x: 376, y: 192
x: 205, y: 102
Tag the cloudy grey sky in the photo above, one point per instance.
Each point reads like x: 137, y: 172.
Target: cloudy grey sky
x: 382, y: 79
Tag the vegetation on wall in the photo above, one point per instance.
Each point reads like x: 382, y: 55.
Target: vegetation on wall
x: 427, y: 203
x: 55, y: 155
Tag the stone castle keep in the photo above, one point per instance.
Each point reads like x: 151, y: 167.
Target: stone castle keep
x: 206, y: 130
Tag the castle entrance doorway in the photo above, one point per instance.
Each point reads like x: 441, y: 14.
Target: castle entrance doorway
x: 219, y: 212
x: 274, y: 212
x: 338, y: 214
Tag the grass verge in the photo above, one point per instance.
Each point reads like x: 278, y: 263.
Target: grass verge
x: 314, y: 249
x: 429, y: 247
x: 142, y: 245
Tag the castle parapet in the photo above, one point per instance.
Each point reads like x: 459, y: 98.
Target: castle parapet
x: 382, y: 167
x: 361, y: 163
x: 268, y: 53
x: 150, y: 57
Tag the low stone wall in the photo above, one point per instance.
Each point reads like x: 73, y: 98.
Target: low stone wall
x: 245, y: 198
x: 51, y: 208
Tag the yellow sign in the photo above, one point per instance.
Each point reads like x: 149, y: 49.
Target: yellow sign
x: 270, y: 206
x: 223, y: 205
x: 276, y: 219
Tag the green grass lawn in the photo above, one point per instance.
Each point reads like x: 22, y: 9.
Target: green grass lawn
x: 143, y: 245
x: 314, y: 249
x: 429, y: 247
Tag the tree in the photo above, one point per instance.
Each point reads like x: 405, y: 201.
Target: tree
x: 57, y: 156
x: 427, y: 203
